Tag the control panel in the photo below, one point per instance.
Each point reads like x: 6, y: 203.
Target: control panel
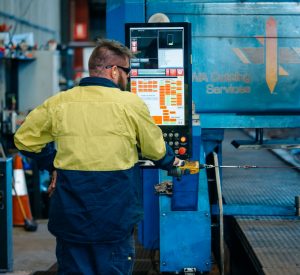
x: 161, y: 76
x: 178, y: 140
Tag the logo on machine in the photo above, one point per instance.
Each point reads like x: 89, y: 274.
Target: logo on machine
x: 270, y: 54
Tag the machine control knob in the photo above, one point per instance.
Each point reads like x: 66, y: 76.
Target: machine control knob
x: 176, y: 135
x: 183, y: 139
x: 181, y: 150
x: 171, y: 143
x: 170, y: 134
x: 165, y: 134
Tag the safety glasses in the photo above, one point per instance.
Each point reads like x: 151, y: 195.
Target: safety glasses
x: 126, y: 70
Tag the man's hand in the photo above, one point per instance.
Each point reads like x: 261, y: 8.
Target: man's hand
x: 178, y: 162
x: 52, y: 185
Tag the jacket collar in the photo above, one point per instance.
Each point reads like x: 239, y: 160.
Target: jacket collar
x: 97, y: 81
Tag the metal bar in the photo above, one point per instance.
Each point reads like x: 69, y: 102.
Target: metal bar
x: 261, y: 136
x: 215, y: 120
x: 254, y: 210
x: 209, y: 166
x: 244, y: 8
x: 220, y: 204
x: 266, y: 144
x: 256, y: 135
x: 27, y: 23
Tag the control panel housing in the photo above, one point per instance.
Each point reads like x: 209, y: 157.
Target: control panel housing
x: 161, y: 76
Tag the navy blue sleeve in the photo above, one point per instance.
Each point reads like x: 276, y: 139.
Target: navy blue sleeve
x: 166, y: 163
x: 44, y: 159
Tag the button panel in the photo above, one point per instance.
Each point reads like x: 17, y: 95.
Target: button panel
x: 178, y: 141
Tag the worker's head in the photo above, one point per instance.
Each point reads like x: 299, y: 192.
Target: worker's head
x: 110, y: 59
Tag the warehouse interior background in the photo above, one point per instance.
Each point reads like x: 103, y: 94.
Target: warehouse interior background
x: 61, y: 33
x: 44, y: 49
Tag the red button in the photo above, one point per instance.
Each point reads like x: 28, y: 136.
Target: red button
x: 172, y: 72
x: 134, y: 72
x: 179, y: 72
x: 181, y: 150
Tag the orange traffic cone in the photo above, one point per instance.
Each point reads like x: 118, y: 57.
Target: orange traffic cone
x: 21, y: 206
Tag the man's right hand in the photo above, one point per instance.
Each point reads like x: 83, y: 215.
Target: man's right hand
x: 178, y: 162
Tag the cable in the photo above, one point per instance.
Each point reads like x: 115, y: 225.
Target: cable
x: 209, y: 166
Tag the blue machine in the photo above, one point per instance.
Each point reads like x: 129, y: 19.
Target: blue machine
x: 245, y: 66
x: 6, y: 225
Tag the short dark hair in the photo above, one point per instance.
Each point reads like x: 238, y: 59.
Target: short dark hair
x: 106, y: 52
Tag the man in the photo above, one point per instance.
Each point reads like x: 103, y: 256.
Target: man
x: 97, y: 129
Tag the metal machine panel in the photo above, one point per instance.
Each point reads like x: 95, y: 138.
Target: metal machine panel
x: 148, y: 231
x: 120, y: 12
x: 241, y: 64
x: 189, y: 232
x: 6, y: 225
x: 185, y: 236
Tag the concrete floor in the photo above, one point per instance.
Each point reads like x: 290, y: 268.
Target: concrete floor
x: 33, y: 251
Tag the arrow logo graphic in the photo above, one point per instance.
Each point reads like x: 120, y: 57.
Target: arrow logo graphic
x: 269, y: 54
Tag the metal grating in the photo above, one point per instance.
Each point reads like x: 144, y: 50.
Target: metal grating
x: 271, y: 186
x: 272, y: 243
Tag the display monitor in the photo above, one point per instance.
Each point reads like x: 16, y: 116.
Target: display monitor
x: 160, y: 75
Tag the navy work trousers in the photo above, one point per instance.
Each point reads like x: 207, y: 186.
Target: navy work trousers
x: 95, y: 259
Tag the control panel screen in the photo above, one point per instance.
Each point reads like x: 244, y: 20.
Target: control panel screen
x: 159, y: 75
x: 157, y: 72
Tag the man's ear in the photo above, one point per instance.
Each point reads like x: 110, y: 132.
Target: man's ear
x: 114, y: 73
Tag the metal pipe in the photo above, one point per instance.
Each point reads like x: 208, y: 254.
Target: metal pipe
x: 261, y: 136
x: 297, y: 205
x: 28, y: 23
x: 220, y: 203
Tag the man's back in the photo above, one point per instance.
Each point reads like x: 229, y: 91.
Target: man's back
x: 92, y: 130
x: 96, y: 128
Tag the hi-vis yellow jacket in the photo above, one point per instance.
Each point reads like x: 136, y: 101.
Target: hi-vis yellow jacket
x: 96, y: 129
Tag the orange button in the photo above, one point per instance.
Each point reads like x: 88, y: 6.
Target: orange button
x: 181, y: 150
x: 183, y: 139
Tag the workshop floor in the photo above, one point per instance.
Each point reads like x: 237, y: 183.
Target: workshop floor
x: 32, y: 250
x: 34, y: 254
